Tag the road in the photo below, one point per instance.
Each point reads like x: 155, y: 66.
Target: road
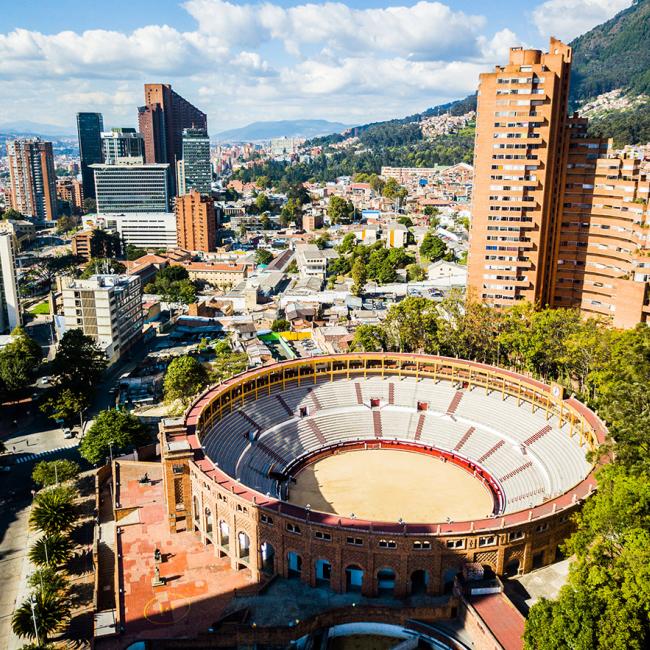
x: 31, y: 437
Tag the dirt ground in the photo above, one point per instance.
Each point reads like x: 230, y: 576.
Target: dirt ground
x: 386, y: 485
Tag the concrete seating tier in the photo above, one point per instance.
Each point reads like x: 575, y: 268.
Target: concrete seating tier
x: 528, y: 454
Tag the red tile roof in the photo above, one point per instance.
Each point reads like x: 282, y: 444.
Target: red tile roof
x: 502, y: 618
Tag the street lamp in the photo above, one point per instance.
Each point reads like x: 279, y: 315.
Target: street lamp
x: 32, y: 602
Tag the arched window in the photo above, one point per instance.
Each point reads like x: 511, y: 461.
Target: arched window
x: 208, y: 521
x: 386, y: 581
x: 197, y: 509
x: 243, y: 545
x: 224, y: 534
x: 294, y: 562
x: 323, y: 572
x: 419, y: 581
x: 353, y: 578
x: 268, y: 558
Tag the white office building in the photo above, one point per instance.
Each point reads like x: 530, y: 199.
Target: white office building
x: 107, y: 308
x: 10, y: 316
x: 132, y: 187
x: 142, y: 229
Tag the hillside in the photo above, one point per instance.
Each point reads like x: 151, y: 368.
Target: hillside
x: 279, y: 129
x: 613, y: 55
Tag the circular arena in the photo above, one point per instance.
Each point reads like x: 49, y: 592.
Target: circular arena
x: 380, y: 473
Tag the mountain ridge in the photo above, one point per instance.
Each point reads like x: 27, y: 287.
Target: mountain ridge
x: 267, y: 130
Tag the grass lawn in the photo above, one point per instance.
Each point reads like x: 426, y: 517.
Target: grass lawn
x: 40, y: 309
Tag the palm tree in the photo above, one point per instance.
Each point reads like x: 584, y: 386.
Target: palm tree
x: 51, y: 612
x: 48, y: 579
x: 53, y: 511
x: 50, y: 550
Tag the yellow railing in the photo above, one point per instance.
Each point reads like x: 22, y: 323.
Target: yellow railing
x: 254, y: 383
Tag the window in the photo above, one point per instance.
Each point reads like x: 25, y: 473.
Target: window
x: 355, y: 541
x: 265, y: 519
x: 387, y: 543
x: 293, y: 528
x: 420, y: 546
x: 541, y: 528
x: 324, y: 536
x: 455, y: 543
x: 490, y: 540
x: 519, y: 534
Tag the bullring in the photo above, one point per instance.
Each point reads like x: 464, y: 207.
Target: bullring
x: 515, y: 447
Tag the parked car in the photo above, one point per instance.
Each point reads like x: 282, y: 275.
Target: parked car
x: 68, y: 433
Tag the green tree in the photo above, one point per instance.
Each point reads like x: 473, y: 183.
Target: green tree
x: 291, y: 212
x: 51, y: 612
x: 50, y: 472
x: 184, y: 378
x: 606, y: 600
x: 227, y: 365
x: 78, y: 364
x: 359, y: 277
x: 66, y: 403
x: 348, y: 243
x: 368, y: 338
x: 322, y: 241
x: 19, y: 361
x: 103, y: 265
x: 433, y: 248
x: 339, y: 210
x: 173, y: 285
x: 105, y: 244
x: 265, y: 222
x: 281, y: 325
x: 262, y: 256
x: 415, y: 273
x: 12, y: 214
x: 116, y: 430
x: 49, y: 579
x: 411, y: 325
x: 53, y: 511
x: 133, y: 253
x: 66, y: 224
x: 262, y: 203
x: 90, y: 205
x: 50, y: 550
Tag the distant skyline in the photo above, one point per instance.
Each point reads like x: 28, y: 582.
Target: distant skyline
x: 241, y: 62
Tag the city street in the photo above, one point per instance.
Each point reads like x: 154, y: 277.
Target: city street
x: 30, y: 437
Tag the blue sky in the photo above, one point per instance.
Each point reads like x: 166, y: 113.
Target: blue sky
x: 242, y: 61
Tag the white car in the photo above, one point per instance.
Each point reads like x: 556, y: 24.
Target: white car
x: 68, y: 433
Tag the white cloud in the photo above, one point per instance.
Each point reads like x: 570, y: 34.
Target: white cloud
x: 567, y: 19
x: 422, y: 30
x: 256, y: 61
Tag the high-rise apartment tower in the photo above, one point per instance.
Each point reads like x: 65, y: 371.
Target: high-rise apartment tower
x: 196, y: 225
x: 194, y: 171
x: 89, y: 128
x: 32, y: 178
x: 161, y: 122
x: 519, y: 164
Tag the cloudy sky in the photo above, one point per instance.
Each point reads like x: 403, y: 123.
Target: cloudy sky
x: 244, y: 60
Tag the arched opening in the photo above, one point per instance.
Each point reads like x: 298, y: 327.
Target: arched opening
x: 353, y: 579
x: 419, y: 581
x: 294, y: 562
x: 268, y: 558
x: 243, y: 546
x: 197, y: 512
x: 208, y: 523
x: 448, y: 579
x: 323, y: 573
x: 224, y: 535
x: 512, y: 568
x: 385, y: 582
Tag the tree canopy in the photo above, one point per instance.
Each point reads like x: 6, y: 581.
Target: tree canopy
x: 112, y: 429
x: 184, y: 378
x: 19, y: 362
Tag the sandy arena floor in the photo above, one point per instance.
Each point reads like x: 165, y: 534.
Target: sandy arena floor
x: 386, y: 485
